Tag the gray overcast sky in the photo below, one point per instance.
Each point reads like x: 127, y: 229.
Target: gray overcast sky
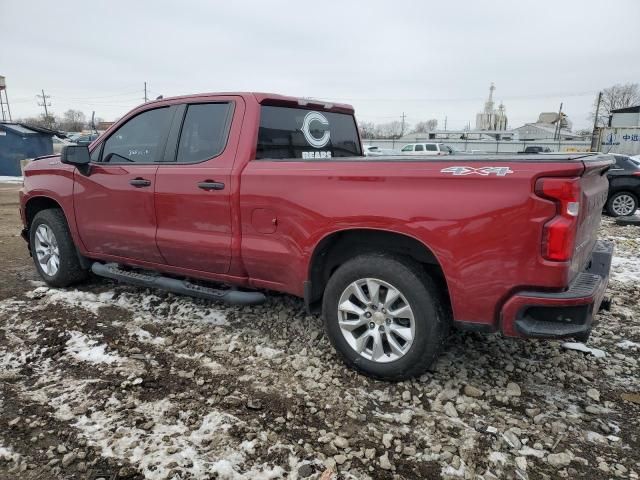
x: 428, y: 59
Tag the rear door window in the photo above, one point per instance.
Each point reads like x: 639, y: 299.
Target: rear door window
x: 286, y: 132
x: 204, y: 132
x: 419, y: 148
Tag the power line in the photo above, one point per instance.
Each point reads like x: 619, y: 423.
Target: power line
x: 464, y: 99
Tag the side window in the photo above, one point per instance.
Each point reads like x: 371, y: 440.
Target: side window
x: 140, y: 139
x: 95, y: 155
x: 407, y: 148
x: 419, y: 148
x: 431, y: 147
x: 621, y: 162
x: 204, y: 131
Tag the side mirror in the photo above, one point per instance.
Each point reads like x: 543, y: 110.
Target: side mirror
x: 76, y: 155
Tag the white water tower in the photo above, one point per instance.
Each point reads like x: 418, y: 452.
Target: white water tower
x: 4, y: 102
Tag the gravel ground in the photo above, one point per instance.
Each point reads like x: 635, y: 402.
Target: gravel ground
x: 128, y: 383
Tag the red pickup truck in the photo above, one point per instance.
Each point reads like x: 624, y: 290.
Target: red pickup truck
x: 266, y: 192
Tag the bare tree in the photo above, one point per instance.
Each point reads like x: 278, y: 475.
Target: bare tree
x: 425, y: 127
x: 617, y: 96
x: 389, y: 130
x: 367, y: 129
x: 72, y: 121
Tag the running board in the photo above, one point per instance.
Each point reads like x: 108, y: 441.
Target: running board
x: 182, y: 287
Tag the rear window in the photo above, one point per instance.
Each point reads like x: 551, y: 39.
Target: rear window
x: 431, y: 147
x: 298, y: 133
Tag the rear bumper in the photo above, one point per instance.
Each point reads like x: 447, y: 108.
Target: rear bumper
x: 561, y: 314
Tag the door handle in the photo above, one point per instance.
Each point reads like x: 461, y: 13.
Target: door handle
x: 211, y: 185
x: 140, y: 182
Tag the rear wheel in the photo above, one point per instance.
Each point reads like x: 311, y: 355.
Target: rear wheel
x: 384, y: 316
x: 622, y: 204
x: 53, y: 250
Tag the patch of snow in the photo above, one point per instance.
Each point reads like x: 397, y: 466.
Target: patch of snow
x: 625, y: 269
x: 498, y: 457
x: 531, y: 452
x: 146, y: 337
x: 581, y: 347
x: 450, y: 471
x: 595, y: 437
x: 82, y: 348
x: 86, y: 300
x: 12, y: 180
x: 7, y: 454
x: 169, y: 446
x: 627, y: 344
x: 268, y: 352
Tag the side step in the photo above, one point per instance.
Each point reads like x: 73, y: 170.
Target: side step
x: 182, y: 287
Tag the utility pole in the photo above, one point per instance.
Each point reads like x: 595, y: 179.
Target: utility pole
x: 594, y: 133
x: 402, y: 128
x: 556, y: 132
x: 45, y: 104
x: 445, y: 123
x: 559, y: 125
x: 145, y: 93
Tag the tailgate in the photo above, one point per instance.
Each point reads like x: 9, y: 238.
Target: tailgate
x: 594, y: 186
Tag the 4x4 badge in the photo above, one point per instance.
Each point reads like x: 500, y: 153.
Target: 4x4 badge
x: 484, y: 171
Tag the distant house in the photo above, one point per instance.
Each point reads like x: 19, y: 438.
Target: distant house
x: 625, y: 117
x: 543, y: 131
x: 18, y: 142
x: 102, y: 126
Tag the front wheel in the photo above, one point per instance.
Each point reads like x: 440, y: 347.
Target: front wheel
x: 622, y: 204
x: 385, y: 316
x: 53, y: 250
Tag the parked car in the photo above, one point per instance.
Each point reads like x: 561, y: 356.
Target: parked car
x: 624, y: 186
x: 58, y: 143
x: 84, y: 138
x: 536, y: 149
x: 372, y: 151
x: 425, y: 149
x: 265, y: 191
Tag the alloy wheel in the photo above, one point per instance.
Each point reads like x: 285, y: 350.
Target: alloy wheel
x: 47, y: 251
x: 376, y: 320
x: 623, y: 205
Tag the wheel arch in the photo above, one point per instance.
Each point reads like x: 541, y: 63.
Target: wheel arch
x: 37, y: 204
x: 339, y: 246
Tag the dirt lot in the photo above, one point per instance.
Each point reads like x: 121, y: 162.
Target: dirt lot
x: 117, y: 381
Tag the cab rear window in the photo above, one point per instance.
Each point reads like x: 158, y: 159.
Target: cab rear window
x: 308, y: 134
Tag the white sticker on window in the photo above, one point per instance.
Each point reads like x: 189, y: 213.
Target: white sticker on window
x: 315, y: 142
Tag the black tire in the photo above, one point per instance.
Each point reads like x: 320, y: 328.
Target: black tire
x: 69, y: 270
x: 430, y: 314
x: 610, y: 208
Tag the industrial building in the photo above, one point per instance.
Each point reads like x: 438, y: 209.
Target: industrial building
x: 625, y: 117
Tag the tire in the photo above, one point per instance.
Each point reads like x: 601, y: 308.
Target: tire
x: 622, y: 204
x: 49, y: 232
x: 416, y: 289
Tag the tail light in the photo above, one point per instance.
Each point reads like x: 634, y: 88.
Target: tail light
x: 559, y: 233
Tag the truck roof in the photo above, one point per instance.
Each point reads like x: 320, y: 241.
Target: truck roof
x: 269, y: 99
